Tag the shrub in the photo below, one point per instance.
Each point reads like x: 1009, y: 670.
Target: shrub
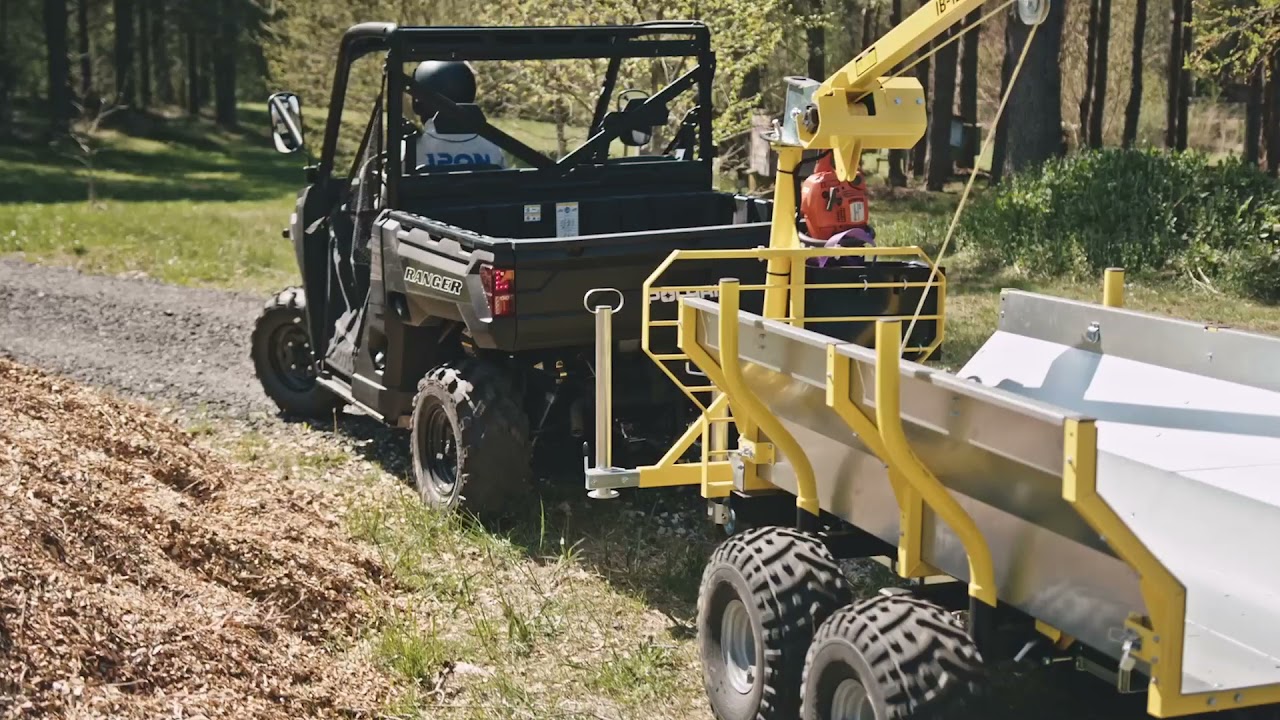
x: 1142, y: 210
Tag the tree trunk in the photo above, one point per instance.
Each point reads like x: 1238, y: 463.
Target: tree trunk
x: 59, y: 64
x: 1035, y: 133
x: 125, y: 76
x: 816, y: 39
x: 224, y: 67
x: 750, y: 85
x: 1090, y: 71
x: 1174, y: 77
x: 1133, y: 112
x: 1098, y: 106
x: 6, y: 72
x: 84, y: 50
x: 194, y: 101
x: 1184, y: 82
x: 867, y: 28
x: 941, y: 114
x: 919, y: 154
x: 144, y: 52
x: 160, y: 54
x: 897, y: 158
x: 972, y: 142
x: 1000, y: 147
x: 1273, y: 123
x: 1253, y: 118
x: 206, y: 70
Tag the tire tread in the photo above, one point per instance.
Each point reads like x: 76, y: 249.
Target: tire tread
x: 922, y: 659
x: 494, y: 449
x: 796, y: 584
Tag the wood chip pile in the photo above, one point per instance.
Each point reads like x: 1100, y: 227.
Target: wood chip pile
x: 142, y: 575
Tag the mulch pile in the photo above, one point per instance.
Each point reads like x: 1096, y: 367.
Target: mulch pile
x: 142, y: 575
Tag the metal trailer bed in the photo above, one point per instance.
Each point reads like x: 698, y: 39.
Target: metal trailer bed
x: 1113, y: 475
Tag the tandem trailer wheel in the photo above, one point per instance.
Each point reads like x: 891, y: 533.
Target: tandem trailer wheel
x: 890, y: 657
x: 763, y: 595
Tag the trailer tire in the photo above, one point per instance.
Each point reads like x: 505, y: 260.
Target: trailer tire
x: 283, y: 361
x: 764, y: 594
x: 469, y: 440
x: 893, y: 657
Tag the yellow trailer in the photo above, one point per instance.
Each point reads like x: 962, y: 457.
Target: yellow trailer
x: 1100, y: 485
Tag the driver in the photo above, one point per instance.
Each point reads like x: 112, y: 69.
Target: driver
x: 456, y: 81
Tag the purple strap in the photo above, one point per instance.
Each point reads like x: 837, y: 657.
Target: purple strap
x: 854, y: 237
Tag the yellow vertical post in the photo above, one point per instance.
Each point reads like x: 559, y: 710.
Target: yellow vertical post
x: 1113, y: 287
x: 745, y: 404
x: 782, y: 231
x: 903, y: 460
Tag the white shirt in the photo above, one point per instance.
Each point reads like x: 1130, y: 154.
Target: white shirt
x: 437, y: 150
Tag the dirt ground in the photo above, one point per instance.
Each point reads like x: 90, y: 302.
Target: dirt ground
x: 142, y: 575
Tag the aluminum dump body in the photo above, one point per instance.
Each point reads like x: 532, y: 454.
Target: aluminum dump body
x: 1188, y: 454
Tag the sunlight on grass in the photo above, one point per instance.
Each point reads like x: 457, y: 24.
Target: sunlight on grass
x: 541, y: 624
x: 233, y: 245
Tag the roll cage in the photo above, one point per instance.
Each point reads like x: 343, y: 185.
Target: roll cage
x: 679, y: 39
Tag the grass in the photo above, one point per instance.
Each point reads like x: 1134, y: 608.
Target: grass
x: 597, y: 631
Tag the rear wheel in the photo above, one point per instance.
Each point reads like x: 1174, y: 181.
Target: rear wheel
x: 470, y: 440
x: 283, y: 359
x: 890, y: 658
x: 764, y: 593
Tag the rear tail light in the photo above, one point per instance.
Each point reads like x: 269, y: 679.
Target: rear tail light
x: 499, y: 290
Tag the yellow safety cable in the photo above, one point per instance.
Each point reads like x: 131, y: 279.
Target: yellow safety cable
x: 964, y: 197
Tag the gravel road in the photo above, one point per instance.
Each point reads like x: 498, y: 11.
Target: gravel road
x: 173, y: 345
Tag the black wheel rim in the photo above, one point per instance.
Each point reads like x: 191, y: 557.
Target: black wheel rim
x: 291, y: 358
x: 439, y: 451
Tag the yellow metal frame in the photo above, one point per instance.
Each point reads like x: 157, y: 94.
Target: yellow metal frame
x: 982, y: 579
x: 725, y: 388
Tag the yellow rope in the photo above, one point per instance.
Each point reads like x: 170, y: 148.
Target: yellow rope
x: 968, y: 188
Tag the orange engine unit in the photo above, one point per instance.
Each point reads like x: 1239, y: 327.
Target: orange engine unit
x: 832, y: 206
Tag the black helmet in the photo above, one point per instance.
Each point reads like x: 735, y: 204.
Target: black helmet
x: 454, y: 80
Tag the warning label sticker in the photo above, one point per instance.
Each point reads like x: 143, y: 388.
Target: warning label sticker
x: 567, y: 219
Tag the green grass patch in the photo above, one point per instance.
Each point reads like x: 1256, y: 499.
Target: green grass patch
x: 646, y: 671
x: 415, y: 653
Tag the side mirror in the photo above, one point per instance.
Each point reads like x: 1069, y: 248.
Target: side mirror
x: 627, y: 101
x: 286, y: 121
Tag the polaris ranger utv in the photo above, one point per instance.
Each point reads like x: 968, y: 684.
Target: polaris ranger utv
x: 449, y: 299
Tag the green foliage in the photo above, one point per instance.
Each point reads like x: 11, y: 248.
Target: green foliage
x: 303, y: 43
x: 1235, y: 36
x: 1146, y: 211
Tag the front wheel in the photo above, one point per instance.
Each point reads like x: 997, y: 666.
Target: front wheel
x: 470, y: 440
x: 283, y: 359
x: 890, y: 658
